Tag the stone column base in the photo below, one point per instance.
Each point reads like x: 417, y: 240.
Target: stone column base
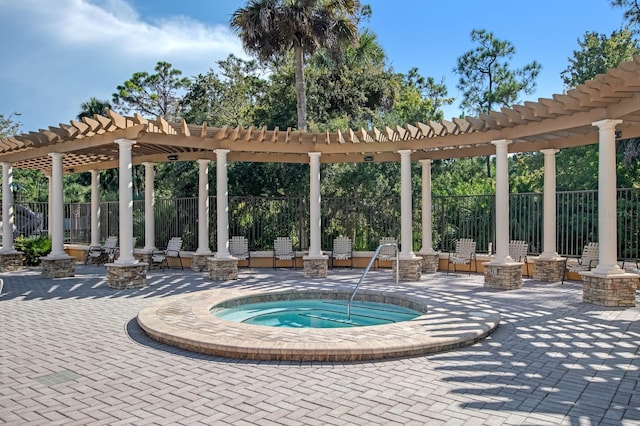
x: 58, y: 267
x: 126, y: 276
x: 609, y: 290
x: 315, y: 267
x: 410, y: 269
x: 200, y: 262
x: 13, y: 261
x: 506, y: 276
x: 144, y: 257
x: 549, y: 270
x: 222, y: 269
x: 430, y: 262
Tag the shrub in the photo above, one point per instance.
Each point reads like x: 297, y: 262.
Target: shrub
x: 33, y: 248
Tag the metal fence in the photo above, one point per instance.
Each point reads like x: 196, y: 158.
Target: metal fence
x: 365, y: 220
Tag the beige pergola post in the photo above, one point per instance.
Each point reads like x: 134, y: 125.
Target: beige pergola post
x: 430, y: 258
x: 410, y: 267
x: 608, y: 284
x: 57, y: 264
x: 315, y: 263
x: 549, y: 266
x: 10, y: 258
x: 502, y: 272
x: 222, y: 266
x: 95, y: 207
x: 126, y: 271
x: 203, y: 252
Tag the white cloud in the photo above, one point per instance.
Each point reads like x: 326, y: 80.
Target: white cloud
x: 65, y: 51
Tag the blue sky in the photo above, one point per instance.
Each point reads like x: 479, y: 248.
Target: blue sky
x: 59, y: 53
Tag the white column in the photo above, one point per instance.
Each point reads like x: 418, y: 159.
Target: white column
x: 149, y: 207
x: 57, y: 207
x: 7, y: 209
x: 222, y: 208
x: 203, y: 207
x: 50, y: 207
x: 125, y: 194
x: 314, y: 205
x: 549, y: 251
x: 95, y: 207
x: 427, y: 231
x: 607, y: 202
x: 406, y: 221
x: 502, y: 202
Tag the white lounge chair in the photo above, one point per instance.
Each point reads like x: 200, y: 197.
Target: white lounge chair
x: 342, y: 250
x: 464, y: 254
x: 387, y: 253
x: 239, y: 248
x: 588, y: 260
x: 518, y: 251
x: 102, y: 253
x: 159, y: 257
x: 283, y: 250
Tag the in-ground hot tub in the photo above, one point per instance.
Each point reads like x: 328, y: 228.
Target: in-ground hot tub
x: 186, y: 321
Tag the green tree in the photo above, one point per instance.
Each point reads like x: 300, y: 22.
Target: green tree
x: 152, y: 95
x: 631, y: 10
x: 487, y: 80
x: 92, y: 107
x: 272, y: 28
x: 8, y: 125
x: 229, y: 96
x: 597, y: 53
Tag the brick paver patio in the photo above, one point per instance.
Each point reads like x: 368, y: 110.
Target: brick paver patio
x: 71, y: 353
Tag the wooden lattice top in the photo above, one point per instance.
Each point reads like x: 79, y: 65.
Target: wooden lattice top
x: 551, y: 123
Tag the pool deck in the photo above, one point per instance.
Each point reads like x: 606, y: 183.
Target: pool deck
x: 72, y: 352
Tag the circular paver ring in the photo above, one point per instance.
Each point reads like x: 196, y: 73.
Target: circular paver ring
x: 185, y: 321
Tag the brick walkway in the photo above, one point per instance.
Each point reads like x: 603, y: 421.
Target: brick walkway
x: 72, y: 353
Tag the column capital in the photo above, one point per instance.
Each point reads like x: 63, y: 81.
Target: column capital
x: 314, y: 154
x: 550, y: 151
x: 148, y: 163
x: 426, y: 162
x: 501, y: 142
x: 404, y: 152
x: 203, y: 161
x: 56, y: 155
x: 607, y: 124
x: 221, y: 152
x: 126, y: 143
x: 6, y: 164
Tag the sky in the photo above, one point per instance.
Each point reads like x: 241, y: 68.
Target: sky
x: 58, y: 54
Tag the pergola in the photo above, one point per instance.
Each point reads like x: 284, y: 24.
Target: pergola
x: 599, y: 111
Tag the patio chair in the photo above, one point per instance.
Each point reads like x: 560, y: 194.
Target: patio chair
x: 342, y: 250
x: 518, y: 251
x: 465, y: 253
x: 159, y: 257
x: 239, y: 248
x: 103, y: 253
x: 588, y: 259
x: 632, y: 267
x: 283, y: 250
x: 387, y: 253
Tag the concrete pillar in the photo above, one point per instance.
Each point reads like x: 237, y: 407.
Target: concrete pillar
x: 8, y: 213
x: 502, y: 202
x: 50, y: 207
x: 203, y: 206
x: 406, y: 220
x: 125, y: 194
x: 95, y: 207
x: 314, y: 205
x: 149, y: 207
x: 57, y: 207
x: 607, y: 203
x: 222, y: 210
x: 427, y: 231
x: 549, y: 215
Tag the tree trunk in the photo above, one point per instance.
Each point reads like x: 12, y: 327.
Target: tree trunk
x: 301, y: 94
x: 488, y: 160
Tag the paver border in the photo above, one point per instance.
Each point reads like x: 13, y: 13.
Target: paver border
x: 185, y: 321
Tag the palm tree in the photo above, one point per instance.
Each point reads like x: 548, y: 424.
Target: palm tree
x: 92, y: 107
x: 272, y: 28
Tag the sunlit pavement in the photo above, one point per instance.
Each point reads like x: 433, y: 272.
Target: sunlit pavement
x: 71, y: 353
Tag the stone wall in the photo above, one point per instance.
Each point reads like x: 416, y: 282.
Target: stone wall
x: 315, y: 268
x: 613, y: 290
x: 506, y: 276
x: 58, y: 267
x: 200, y: 262
x: 430, y: 262
x: 126, y: 276
x: 11, y: 261
x: 549, y: 270
x: 223, y: 269
x: 410, y: 269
